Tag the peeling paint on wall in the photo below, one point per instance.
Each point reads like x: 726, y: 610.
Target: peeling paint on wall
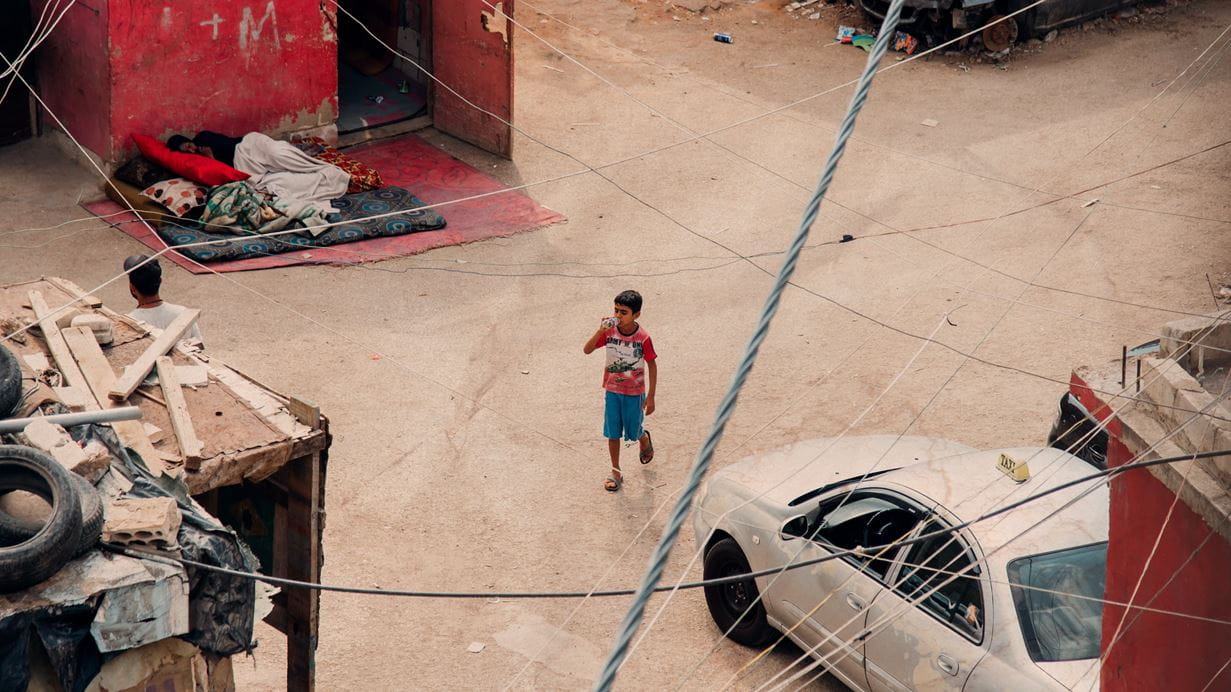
x: 496, y: 22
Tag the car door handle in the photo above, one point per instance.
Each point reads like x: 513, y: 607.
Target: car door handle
x: 946, y: 664
x: 855, y: 602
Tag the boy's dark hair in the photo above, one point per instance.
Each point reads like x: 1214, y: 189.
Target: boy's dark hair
x: 147, y: 278
x: 630, y: 300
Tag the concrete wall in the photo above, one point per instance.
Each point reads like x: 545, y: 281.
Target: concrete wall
x: 1161, y: 652
x: 74, y: 73
x: 1189, y: 569
x: 158, y: 68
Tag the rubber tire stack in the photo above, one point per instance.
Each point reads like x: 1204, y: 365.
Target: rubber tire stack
x: 10, y: 382
x: 41, y: 555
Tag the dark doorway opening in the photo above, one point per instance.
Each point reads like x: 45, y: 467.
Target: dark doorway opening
x: 16, y: 114
x: 377, y: 88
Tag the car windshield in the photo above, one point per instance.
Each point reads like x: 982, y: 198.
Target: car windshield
x: 1058, y: 599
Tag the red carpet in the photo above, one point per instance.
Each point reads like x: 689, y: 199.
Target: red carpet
x: 407, y: 161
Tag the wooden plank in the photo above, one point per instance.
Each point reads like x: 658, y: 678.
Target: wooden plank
x: 135, y: 373
x: 303, y: 479
x: 75, y: 291
x: 305, y: 412
x: 55, y: 343
x: 100, y: 378
x: 177, y: 408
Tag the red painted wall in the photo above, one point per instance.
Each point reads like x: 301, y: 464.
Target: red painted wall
x: 159, y: 68
x: 74, y: 73
x: 233, y: 66
x: 478, y: 64
x: 1161, y: 652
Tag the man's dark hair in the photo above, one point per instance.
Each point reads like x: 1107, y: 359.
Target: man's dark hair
x: 174, y: 142
x: 147, y: 278
x: 630, y: 300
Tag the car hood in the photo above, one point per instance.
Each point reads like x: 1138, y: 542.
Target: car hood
x: 784, y: 474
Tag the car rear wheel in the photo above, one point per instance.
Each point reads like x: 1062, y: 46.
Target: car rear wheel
x: 735, y: 607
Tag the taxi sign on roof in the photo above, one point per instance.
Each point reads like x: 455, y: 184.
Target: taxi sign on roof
x: 1013, y: 468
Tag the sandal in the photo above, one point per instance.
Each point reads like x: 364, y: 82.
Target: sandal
x: 612, y: 484
x: 647, y: 454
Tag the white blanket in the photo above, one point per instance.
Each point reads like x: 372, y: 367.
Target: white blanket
x: 289, y: 174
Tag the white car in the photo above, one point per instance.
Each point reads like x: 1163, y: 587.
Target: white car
x: 862, y: 613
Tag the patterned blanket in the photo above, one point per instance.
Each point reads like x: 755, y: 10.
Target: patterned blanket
x: 352, y: 213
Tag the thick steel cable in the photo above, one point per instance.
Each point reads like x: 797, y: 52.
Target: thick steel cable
x: 659, y: 561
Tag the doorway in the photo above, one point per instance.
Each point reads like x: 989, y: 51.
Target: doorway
x: 16, y: 113
x: 378, y: 90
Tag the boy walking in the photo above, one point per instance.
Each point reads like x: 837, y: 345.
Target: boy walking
x: 629, y: 398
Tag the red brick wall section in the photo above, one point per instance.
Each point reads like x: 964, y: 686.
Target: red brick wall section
x: 233, y: 66
x: 73, y: 73
x: 1156, y: 651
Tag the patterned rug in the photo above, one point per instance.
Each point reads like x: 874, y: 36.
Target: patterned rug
x: 225, y: 246
x: 407, y: 162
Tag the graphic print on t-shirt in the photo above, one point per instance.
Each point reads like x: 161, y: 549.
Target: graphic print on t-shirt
x: 626, y: 356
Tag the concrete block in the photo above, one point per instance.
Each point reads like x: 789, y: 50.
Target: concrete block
x: 54, y: 440
x: 144, y: 522
x: 1219, y: 468
x: 45, y: 436
x: 97, y: 462
x: 1205, y: 331
x: 100, y: 325
x: 73, y: 398
x: 90, y: 463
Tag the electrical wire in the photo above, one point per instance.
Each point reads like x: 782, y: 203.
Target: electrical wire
x: 718, y: 581
x: 1107, y: 138
x: 867, y: 631
x: 705, y: 455
x: 1102, y: 425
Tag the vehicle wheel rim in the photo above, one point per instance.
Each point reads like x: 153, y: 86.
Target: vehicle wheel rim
x: 738, y: 595
x: 999, y: 36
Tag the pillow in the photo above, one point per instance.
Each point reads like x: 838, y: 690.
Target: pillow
x: 178, y: 195
x: 201, y: 169
x: 141, y: 174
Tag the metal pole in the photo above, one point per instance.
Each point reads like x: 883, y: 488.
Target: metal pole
x: 1123, y: 365
x: 66, y: 419
x: 1138, y: 375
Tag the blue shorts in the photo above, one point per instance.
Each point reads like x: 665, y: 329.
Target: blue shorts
x: 623, y: 416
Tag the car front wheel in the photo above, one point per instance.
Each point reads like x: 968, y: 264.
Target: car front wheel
x: 736, y: 607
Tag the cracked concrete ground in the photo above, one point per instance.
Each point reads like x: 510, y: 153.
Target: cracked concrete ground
x: 453, y: 469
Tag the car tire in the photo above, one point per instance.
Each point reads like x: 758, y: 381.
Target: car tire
x: 728, y: 602
x: 42, y: 555
x: 14, y: 530
x: 10, y: 382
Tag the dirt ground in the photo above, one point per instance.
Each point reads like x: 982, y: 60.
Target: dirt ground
x: 467, y: 451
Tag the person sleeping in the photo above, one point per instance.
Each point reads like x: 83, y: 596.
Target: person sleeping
x: 273, y: 166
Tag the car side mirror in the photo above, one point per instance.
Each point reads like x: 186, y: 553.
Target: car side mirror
x: 795, y: 527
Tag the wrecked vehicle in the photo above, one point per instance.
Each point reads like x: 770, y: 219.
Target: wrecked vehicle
x: 901, y: 592
x: 940, y: 20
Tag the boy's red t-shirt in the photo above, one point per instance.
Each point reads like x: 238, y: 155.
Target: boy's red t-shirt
x: 626, y: 359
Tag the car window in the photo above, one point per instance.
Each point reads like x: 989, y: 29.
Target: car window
x: 1059, y: 602
x: 929, y: 565
x: 870, y: 522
